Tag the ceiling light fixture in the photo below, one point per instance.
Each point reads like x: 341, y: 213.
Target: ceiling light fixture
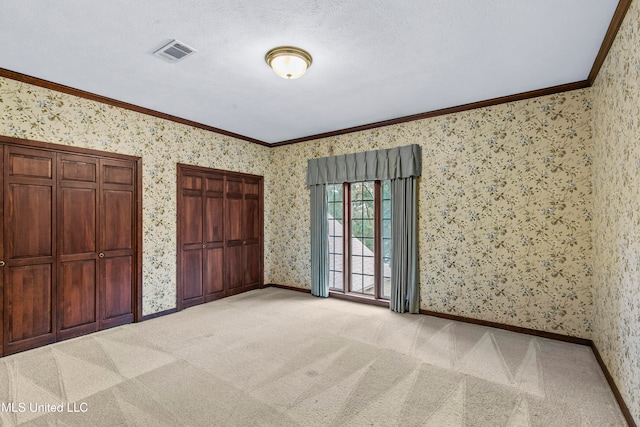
x: 288, y: 62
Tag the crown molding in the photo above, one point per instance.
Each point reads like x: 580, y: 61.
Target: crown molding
x: 609, y: 38
x: 120, y: 104
x: 450, y: 110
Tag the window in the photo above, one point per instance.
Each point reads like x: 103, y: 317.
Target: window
x: 355, y: 219
x: 361, y: 264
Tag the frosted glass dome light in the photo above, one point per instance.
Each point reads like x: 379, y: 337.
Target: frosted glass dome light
x: 288, y: 62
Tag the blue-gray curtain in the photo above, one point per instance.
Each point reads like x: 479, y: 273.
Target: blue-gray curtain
x: 319, y: 241
x: 405, y: 295
x: 398, y: 162
x: 401, y: 165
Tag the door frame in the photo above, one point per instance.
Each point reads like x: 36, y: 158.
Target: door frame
x: 137, y: 282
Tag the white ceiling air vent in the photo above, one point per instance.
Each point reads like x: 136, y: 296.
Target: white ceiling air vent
x: 174, y: 51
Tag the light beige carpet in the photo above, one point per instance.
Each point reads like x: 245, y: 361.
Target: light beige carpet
x: 274, y: 357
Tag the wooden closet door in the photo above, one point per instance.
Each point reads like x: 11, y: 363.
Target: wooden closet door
x: 244, y: 233
x: 252, y: 242
x: 213, y: 238
x: 190, y: 243
x: 117, y: 240
x: 219, y: 234
x: 78, y: 223
x: 30, y: 250
x: 234, y: 234
x: 201, y: 236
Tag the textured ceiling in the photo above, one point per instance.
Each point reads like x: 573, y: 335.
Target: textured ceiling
x: 373, y: 60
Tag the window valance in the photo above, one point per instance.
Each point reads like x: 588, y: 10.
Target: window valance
x: 392, y: 163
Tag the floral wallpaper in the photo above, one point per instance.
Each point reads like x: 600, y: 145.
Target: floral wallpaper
x: 504, y: 210
x: 616, y: 216
x: 35, y: 113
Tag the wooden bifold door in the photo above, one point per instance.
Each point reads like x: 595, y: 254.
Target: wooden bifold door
x: 68, y: 245
x: 220, y: 234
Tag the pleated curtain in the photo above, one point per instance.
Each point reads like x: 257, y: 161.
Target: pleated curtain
x: 401, y: 165
x: 405, y: 295
x: 319, y: 241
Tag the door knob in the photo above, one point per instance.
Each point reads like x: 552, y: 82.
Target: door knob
x: 204, y: 246
x: 1, y: 263
x: 101, y: 255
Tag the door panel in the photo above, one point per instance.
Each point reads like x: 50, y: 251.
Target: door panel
x: 214, y: 219
x: 116, y: 282
x: 28, y: 306
x: 192, y: 276
x: 213, y: 261
x: 252, y: 256
x: 30, y: 218
x: 119, y: 173
x: 252, y: 265
x: 191, y: 182
x: 251, y: 219
x: 252, y: 187
x: 235, y: 186
x: 234, y: 223
x: 246, y: 205
x: 234, y: 235
x: 77, y: 169
x: 190, y: 241
x: 234, y: 267
x: 26, y: 163
x: 78, y: 225
x: 77, y: 297
x: 78, y: 233
x: 116, y: 243
x: 29, y: 249
x: 213, y: 273
x: 191, y: 214
x: 117, y: 225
